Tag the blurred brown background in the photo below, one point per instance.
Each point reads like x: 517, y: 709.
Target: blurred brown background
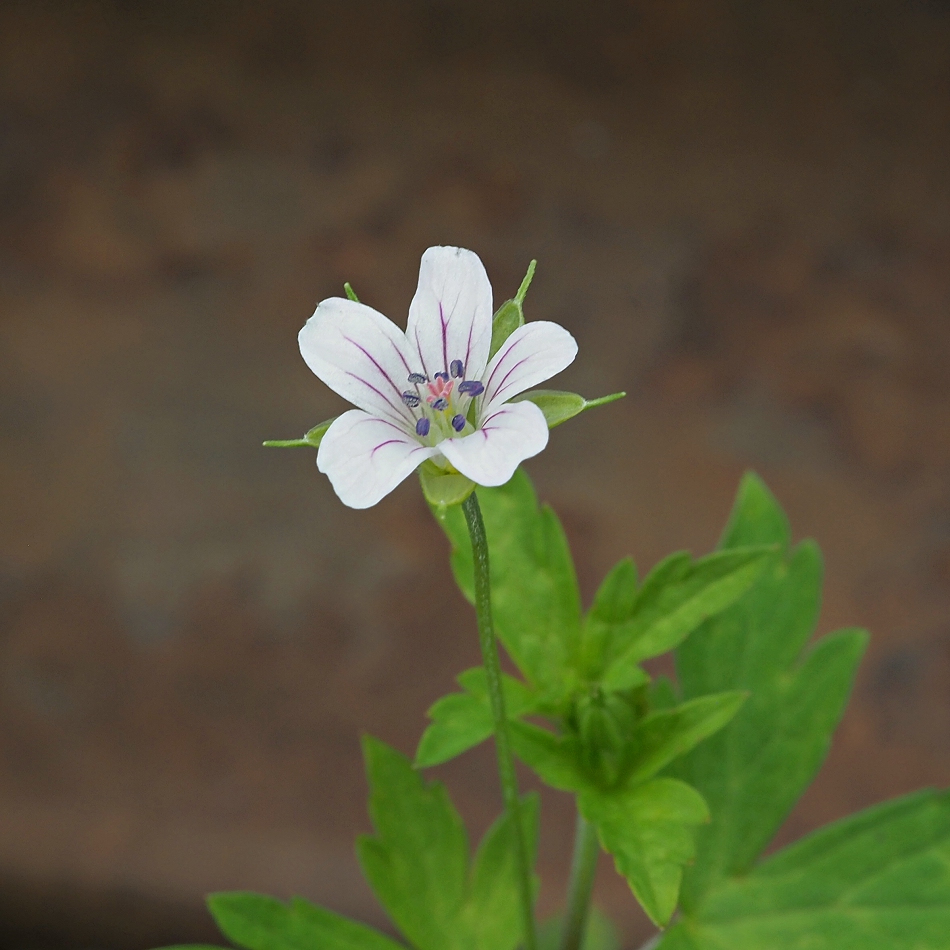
x: 739, y: 208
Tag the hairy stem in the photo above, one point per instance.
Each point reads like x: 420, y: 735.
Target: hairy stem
x: 583, y: 870
x: 506, y: 765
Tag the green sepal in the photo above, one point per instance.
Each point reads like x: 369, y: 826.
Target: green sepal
x: 258, y: 922
x: 650, y: 831
x: 443, y: 489
x: 311, y: 440
x: 558, y: 406
x: 350, y: 292
x: 460, y: 721
x: 510, y: 315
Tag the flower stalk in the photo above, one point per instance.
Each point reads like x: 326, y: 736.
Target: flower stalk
x: 581, y: 884
x: 506, y: 766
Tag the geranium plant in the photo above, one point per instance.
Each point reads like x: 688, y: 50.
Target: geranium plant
x: 684, y: 783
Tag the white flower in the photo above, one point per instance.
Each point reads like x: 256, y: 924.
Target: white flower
x: 431, y: 392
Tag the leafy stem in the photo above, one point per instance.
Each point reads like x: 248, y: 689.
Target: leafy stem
x: 506, y: 766
x: 583, y: 870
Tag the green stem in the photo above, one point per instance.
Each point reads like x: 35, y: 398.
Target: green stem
x: 506, y: 765
x: 583, y: 870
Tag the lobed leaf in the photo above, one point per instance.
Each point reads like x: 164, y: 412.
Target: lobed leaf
x: 418, y: 862
x: 874, y: 881
x: 752, y: 772
x: 463, y: 720
x: 676, y: 597
x: 263, y: 923
x: 667, y: 734
x: 535, y: 597
x: 649, y: 830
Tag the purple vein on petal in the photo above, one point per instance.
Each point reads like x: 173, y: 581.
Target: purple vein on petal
x: 499, y: 364
x: 501, y: 385
x: 383, y: 445
x: 445, y: 338
x: 368, y: 385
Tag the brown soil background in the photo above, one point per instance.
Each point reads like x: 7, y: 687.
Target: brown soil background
x: 739, y: 209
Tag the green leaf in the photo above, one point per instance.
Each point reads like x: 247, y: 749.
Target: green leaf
x: 492, y: 913
x: 535, y: 598
x: 556, y: 759
x: 600, y: 933
x: 676, y: 597
x: 612, y: 608
x: 877, y: 880
x: 263, y: 923
x: 441, y: 488
x: 752, y: 772
x: 311, y: 440
x: 665, y: 735
x: 418, y: 862
x: 649, y: 830
x: 463, y: 720
x: 559, y: 406
x: 510, y: 315
x: 193, y: 946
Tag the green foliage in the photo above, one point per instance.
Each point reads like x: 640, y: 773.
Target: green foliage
x: 878, y: 880
x: 649, y: 831
x: 535, y: 597
x: 676, y: 597
x: 753, y: 772
x: 463, y: 720
x: 418, y: 862
x: 263, y: 923
x: 311, y: 440
x: 600, y: 934
x: 559, y: 406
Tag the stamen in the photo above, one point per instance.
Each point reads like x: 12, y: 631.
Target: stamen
x: 443, y: 376
x: 458, y: 422
x: 440, y: 404
x: 418, y: 378
x: 471, y: 387
x: 411, y: 400
x: 458, y: 368
x: 422, y: 427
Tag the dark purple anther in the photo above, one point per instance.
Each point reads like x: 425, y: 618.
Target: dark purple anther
x: 458, y: 368
x: 422, y: 427
x: 417, y: 378
x: 458, y: 422
x: 471, y: 387
x: 443, y: 376
x: 411, y: 400
x: 440, y: 404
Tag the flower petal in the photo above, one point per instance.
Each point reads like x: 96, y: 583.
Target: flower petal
x: 360, y: 355
x: 365, y: 458
x: 450, y: 314
x: 533, y: 353
x: 509, y: 435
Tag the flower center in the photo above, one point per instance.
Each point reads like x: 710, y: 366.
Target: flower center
x: 440, y: 405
